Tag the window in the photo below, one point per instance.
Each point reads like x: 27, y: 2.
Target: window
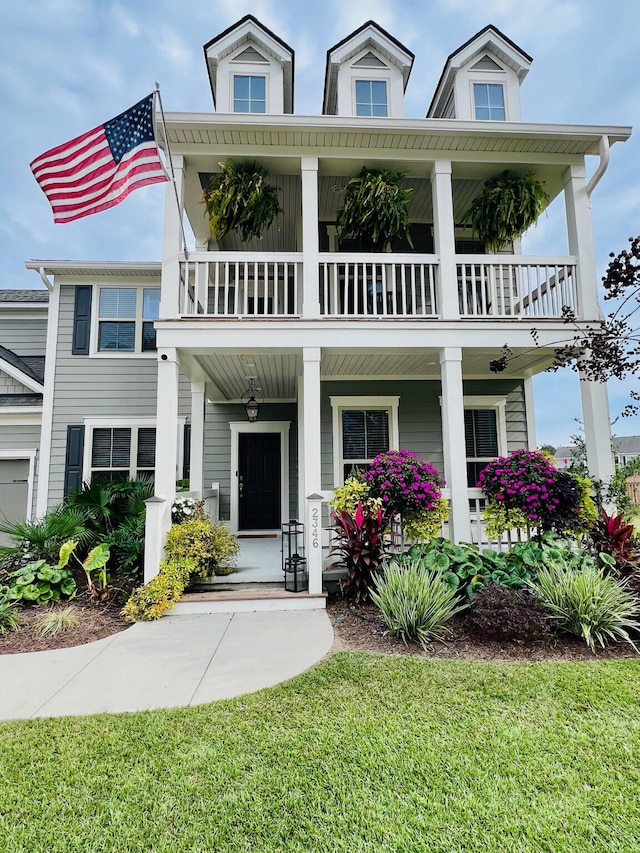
x: 371, y: 98
x: 122, y: 453
x: 481, y: 441
x: 488, y: 99
x: 249, y: 94
x: 362, y: 428
x: 125, y: 319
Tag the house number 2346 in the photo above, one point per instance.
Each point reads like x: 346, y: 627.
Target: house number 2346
x: 315, y: 527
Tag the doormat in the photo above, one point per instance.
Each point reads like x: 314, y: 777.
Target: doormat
x: 257, y: 535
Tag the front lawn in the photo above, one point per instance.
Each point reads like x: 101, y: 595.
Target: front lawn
x: 362, y: 753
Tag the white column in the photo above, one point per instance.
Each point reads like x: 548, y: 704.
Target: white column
x: 444, y: 240
x: 530, y: 411
x: 196, y: 458
x: 310, y: 244
x: 153, y: 536
x: 301, y: 490
x: 167, y: 430
x: 453, y: 442
x: 597, y: 429
x: 172, y: 243
x: 312, y: 462
x: 580, y: 237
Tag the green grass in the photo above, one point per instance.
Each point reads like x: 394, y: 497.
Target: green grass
x: 363, y: 753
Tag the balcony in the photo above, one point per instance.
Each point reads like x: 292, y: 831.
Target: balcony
x: 254, y: 285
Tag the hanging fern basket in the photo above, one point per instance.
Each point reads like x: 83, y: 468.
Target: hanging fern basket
x: 508, y: 205
x: 241, y: 198
x: 376, y: 209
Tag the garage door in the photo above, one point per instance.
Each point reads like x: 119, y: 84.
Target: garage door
x: 14, y: 487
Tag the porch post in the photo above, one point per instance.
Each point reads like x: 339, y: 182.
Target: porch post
x: 196, y: 458
x: 597, y: 428
x: 166, y: 454
x: 172, y: 243
x: 444, y: 240
x: 301, y: 490
x: 312, y: 462
x: 580, y: 238
x: 453, y: 442
x: 310, y: 242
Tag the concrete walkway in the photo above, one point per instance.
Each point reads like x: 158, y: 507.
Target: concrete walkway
x: 176, y: 661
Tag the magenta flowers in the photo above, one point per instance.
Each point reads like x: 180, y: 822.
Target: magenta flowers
x: 405, y: 482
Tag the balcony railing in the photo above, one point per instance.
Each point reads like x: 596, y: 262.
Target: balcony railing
x: 375, y: 286
x: 378, y: 285
x: 504, y: 286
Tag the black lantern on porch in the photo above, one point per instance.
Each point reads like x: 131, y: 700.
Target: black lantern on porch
x: 251, y: 401
x: 294, y: 564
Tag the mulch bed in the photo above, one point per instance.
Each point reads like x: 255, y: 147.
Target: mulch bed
x: 360, y: 628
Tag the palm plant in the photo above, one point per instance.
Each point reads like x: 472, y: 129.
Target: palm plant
x: 506, y: 207
x: 42, y: 539
x: 241, y: 198
x: 375, y: 209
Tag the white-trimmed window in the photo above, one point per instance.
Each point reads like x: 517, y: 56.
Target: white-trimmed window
x: 249, y: 93
x: 371, y: 98
x: 488, y: 102
x: 125, y: 318
x: 122, y: 453
x: 362, y: 428
x: 485, y: 433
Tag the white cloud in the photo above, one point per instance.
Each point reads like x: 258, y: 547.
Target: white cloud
x: 125, y: 22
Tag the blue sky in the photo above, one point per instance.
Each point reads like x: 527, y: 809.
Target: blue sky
x: 69, y: 65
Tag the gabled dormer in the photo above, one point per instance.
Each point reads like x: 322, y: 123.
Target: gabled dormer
x: 481, y: 80
x: 250, y: 70
x: 367, y: 74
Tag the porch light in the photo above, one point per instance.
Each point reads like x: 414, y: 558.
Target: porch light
x: 251, y: 400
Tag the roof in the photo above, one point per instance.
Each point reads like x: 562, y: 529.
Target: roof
x: 31, y: 296
x: 11, y: 401
x: 23, y: 365
x: 95, y: 269
x: 627, y: 444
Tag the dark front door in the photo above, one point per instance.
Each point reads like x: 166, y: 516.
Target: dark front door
x: 259, y: 480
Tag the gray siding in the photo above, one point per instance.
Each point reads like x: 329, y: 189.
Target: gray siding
x: 9, y: 385
x: 88, y: 387
x: 24, y: 337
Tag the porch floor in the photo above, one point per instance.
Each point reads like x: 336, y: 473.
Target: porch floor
x: 259, y: 561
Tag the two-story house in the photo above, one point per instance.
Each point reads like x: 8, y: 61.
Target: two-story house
x: 150, y: 366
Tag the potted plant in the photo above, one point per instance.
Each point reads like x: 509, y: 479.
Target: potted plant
x: 506, y: 207
x: 375, y: 209
x: 241, y: 198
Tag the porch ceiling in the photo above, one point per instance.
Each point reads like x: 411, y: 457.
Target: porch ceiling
x: 276, y: 372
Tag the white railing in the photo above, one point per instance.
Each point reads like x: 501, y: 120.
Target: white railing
x: 230, y: 284
x: 515, y: 286
x: 382, y: 285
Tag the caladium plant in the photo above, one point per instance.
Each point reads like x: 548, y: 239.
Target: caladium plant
x: 360, y: 546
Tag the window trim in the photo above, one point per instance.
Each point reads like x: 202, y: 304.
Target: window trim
x: 239, y: 72
x: 137, y: 352
x: 357, y: 403
x: 371, y: 79
x: 125, y: 423
x: 499, y: 405
x: 488, y: 82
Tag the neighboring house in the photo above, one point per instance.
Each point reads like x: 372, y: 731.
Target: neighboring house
x: 625, y: 448
x: 353, y: 352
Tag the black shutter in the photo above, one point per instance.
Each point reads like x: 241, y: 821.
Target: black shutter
x: 82, y: 319
x: 186, y: 453
x: 73, y: 459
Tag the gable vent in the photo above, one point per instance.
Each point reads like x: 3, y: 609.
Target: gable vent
x: 249, y: 55
x: 369, y: 60
x: 486, y: 64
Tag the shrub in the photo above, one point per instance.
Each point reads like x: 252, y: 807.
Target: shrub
x: 40, y: 583
x: 57, y: 622
x: 9, y: 617
x: 126, y: 544
x: 355, y: 491
x: 415, y: 602
x: 611, y: 535
x: 42, y: 540
x: 587, y: 603
x: 183, y: 509
x: 424, y: 524
x: 499, y: 613
x: 360, y: 545
x: 195, y: 547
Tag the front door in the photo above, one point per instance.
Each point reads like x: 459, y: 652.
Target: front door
x: 259, y: 481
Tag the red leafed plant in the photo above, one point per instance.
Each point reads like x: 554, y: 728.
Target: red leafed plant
x: 612, y: 535
x: 360, y: 546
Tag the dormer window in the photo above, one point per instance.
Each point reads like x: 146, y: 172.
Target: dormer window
x: 371, y: 98
x: 488, y: 99
x: 249, y: 94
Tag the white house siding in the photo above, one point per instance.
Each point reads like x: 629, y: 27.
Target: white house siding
x: 88, y: 387
x: 24, y: 337
x: 217, y: 447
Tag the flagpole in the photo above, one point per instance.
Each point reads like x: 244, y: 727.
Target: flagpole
x: 172, y: 177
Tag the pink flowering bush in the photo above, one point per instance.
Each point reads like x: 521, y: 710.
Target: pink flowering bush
x: 525, y: 489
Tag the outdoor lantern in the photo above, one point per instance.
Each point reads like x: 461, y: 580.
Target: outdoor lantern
x: 294, y: 564
x: 251, y: 402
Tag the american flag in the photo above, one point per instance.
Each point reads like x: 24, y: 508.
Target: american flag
x: 99, y: 169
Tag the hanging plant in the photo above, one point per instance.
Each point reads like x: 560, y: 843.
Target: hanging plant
x: 241, y: 198
x: 376, y: 209
x: 506, y: 207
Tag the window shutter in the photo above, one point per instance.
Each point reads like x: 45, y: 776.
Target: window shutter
x: 186, y: 453
x: 146, y: 447
x: 81, y: 319
x: 73, y: 459
x: 481, y: 433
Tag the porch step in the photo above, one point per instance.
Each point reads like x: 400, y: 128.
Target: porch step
x: 248, y: 600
